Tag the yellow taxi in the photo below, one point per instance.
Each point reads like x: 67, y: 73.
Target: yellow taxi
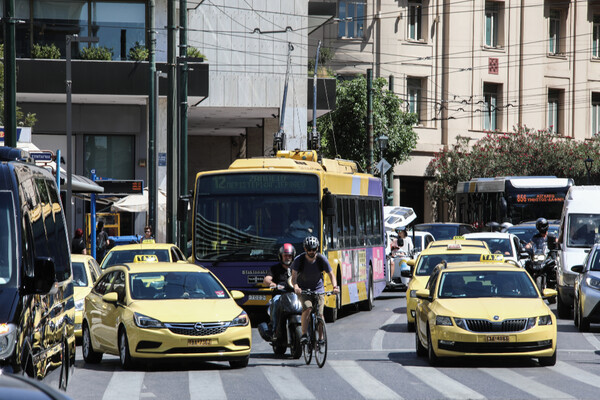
x: 454, y: 250
x: 85, y: 273
x: 164, y: 310
x: 164, y: 252
x: 484, y: 309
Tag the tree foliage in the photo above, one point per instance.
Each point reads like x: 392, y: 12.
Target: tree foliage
x: 28, y: 119
x: 344, y: 130
x: 523, y: 152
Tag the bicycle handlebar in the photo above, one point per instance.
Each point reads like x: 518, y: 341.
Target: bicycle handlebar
x: 309, y: 292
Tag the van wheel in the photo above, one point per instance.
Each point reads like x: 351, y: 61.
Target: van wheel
x: 124, y: 355
x: 89, y: 355
x: 564, y: 311
x: 64, y: 368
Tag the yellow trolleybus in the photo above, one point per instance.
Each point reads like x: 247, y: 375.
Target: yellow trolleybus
x: 244, y: 214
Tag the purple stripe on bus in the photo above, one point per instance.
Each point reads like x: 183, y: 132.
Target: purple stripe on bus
x: 375, y: 187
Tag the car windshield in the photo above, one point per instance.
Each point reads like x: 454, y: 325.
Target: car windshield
x: 594, y: 263
x: 583, y: 230
x: 498, y: 245
x: 427, y: 263
x: 175, y: 285
x: 79, y: 275
x: 526, y: 232
x: 8, y: 260
x: 126, y: 256
x: 471, y: 284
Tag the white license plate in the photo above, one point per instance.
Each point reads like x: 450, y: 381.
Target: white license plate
x: 497, y: 338
x: 259, y: 297
x: 199, y: 342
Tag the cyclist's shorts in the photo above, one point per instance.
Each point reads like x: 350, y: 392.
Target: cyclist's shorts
x: 307, y: 302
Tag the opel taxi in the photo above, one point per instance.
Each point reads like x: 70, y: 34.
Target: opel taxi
x: 85, y: 273
x: 455, y: 250
x: 164, y: 252
x: 164, y: 310
x: 484, y: 309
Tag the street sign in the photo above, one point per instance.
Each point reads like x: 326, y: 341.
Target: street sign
x: 41, y: 156
x: 121, y: 186
x: 383, y: 166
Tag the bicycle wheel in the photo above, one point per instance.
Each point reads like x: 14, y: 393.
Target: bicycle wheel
x: 321, y: 345
x: 307, y: 347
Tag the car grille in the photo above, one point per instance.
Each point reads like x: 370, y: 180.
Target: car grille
x: 508, y: 325
x: 197, y: 329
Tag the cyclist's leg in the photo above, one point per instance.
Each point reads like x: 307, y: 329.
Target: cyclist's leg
x: 306, y: 310
x: 320, y: 312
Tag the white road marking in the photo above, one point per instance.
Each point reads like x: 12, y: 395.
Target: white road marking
x: 441, y: 382
x: 285, y: 383
x: 362, y: 381
x: 576, y: 373
x: 124, y: 385
x: 206, y: 385
x: 592, y: 339
x: 528, y: 385
x: 377, y: 341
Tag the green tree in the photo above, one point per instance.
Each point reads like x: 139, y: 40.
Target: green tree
x: 344, y: 130
x: 28, y: 119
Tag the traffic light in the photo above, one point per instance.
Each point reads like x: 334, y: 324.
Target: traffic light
x: 389, y: 196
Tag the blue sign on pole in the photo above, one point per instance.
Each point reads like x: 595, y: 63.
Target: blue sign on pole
x: 162, y: 159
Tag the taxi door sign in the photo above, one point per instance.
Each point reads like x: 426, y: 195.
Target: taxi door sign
x: 492, y: 258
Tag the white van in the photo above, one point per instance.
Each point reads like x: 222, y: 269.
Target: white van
x: 579, y: 230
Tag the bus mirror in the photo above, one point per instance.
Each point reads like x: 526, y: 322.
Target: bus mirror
x: 182, y: 208
x: 328, y: 203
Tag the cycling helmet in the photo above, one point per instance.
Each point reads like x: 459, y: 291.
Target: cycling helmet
x: 311, y: 243
x: 287, y: 248
x: 541, y: 225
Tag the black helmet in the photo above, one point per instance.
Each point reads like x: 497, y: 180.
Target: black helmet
x: 287, y: 248
x: 541, y: 225
x: 311, y: 243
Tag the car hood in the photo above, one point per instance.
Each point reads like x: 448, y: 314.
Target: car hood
x: 188, y: 310
x: 488, y: 308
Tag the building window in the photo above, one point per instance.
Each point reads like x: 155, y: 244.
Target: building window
x: 111, y: 155
x: 491, y: 106
x: 596, y: 114
x: 415, y: 88
x: 596, y: 37
x: 415, y: 19
x: 554, y: 33
x: 352, y: 19
x: 491, y: 24
x: 554, y: 110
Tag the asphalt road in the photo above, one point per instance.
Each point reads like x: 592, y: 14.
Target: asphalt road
x: 371, y: 356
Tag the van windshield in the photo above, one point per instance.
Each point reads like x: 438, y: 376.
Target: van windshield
x: 8, y: 241
x: 583, y: 230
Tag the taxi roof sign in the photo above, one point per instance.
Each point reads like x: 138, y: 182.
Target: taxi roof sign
x: 492, y: 258
x: 145, y: 258
x: 458, y: 238
x: 454, y: 246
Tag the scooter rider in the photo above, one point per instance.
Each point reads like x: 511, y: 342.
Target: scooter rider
x: 278, y: 275
x: 541, y: 237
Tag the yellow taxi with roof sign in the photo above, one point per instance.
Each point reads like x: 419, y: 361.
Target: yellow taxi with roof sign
x: 488, y: 308
x: 142, y: 252
x: 455, y: 250
x: 164, y: 310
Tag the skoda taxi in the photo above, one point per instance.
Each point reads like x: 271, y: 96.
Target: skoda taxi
x: 85, y: 273
x: 165, y: 252
x: 164, y: 310
x: 484, y: 309
x: 455, y: 250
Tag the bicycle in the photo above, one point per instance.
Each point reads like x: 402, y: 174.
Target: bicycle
x: 315, y: 324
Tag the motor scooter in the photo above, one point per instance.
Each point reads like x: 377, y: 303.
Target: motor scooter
x: 288, y: 331
x: 542, y: 263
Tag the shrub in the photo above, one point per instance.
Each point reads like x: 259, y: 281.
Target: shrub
x: 138, y: 52
x: 96, y: 53
x: 193, y: 52
x: 48, y: 51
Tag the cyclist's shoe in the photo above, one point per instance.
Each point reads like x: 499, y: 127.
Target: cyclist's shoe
x: 303, y: 339
x: 321, y: 342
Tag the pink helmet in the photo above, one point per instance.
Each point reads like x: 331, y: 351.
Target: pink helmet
x: 287, y: 248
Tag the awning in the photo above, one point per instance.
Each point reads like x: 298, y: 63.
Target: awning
x: 139, y: 202
x: 80, y: 184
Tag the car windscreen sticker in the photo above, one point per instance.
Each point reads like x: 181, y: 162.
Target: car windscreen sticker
x: 220, y: 293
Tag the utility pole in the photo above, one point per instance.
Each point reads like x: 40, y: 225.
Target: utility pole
x: 152, y: 126
x: 370, y: 119
x: 171, y: 126
x: 183, y: 109
x: 10, y: 75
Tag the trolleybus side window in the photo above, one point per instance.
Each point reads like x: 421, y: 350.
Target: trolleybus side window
x: 362, y: 239
x: 340, y: 223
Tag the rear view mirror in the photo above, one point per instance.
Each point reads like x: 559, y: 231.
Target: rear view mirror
x: 552, y: 242
x: 328, y: 203
x: 182, y: 208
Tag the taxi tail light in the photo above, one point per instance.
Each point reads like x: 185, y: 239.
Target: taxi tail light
x: 241, y: 320
x: 545, y: 320
x: 143, y: 321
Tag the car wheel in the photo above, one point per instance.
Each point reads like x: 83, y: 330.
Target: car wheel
x: 575, y: 314
x: 124, y: 355
x: 89, y: 355
x: 433, y: 358
x: 421, y: 350
x: 564, y: 311
x: 239, y: 363
x: 548, y: 361
x: 410, y: 326
x: 582, y: 323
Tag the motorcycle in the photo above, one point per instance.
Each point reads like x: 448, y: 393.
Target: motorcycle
x: 288, y: 331
x: 542, y: 263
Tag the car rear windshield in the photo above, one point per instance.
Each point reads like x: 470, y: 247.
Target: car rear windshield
x: 428, y: 262
x: 127, y: 256
x: 470, y: 284
x: 79, y: 276
x: 175, y: 285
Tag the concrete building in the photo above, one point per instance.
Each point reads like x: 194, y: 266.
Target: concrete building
x: 467, y: 68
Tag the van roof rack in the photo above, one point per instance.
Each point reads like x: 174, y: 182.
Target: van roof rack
x: 14, y: 154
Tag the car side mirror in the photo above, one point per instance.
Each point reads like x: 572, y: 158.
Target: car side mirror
x: 111, y: 297
x: 549, y: 293
x: 523, y: 255
x: 577, y: 268
x: 237, y: 295
x: 552, y: 245
x: 423, y: 294
x: 182, y: 208
x: 328, y: 204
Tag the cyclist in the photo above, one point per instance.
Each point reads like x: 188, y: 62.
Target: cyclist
x: 307, y: 274
x: 278, y: 275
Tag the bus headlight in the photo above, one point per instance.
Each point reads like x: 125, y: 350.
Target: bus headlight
x: 8, y: 337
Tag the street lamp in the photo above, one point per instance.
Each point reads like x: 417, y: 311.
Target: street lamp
x: 68, y: 208
x: 588, y: 167
x: 382, y: 141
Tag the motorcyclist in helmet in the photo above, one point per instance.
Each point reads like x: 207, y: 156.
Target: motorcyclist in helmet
x: 278, y: 275
x: 541, y: 237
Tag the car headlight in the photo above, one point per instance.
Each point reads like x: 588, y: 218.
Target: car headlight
x: 79, y: 305
x: 8, y: 338
x: 461, y: 323
x: 545, y: 320
x: 413, y: 293
x: 240, y: 320
x: 442, y: 320
x: 143, y: 321
x: 592, y: 282
x: 539, y: 257
x: 530, y: 322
